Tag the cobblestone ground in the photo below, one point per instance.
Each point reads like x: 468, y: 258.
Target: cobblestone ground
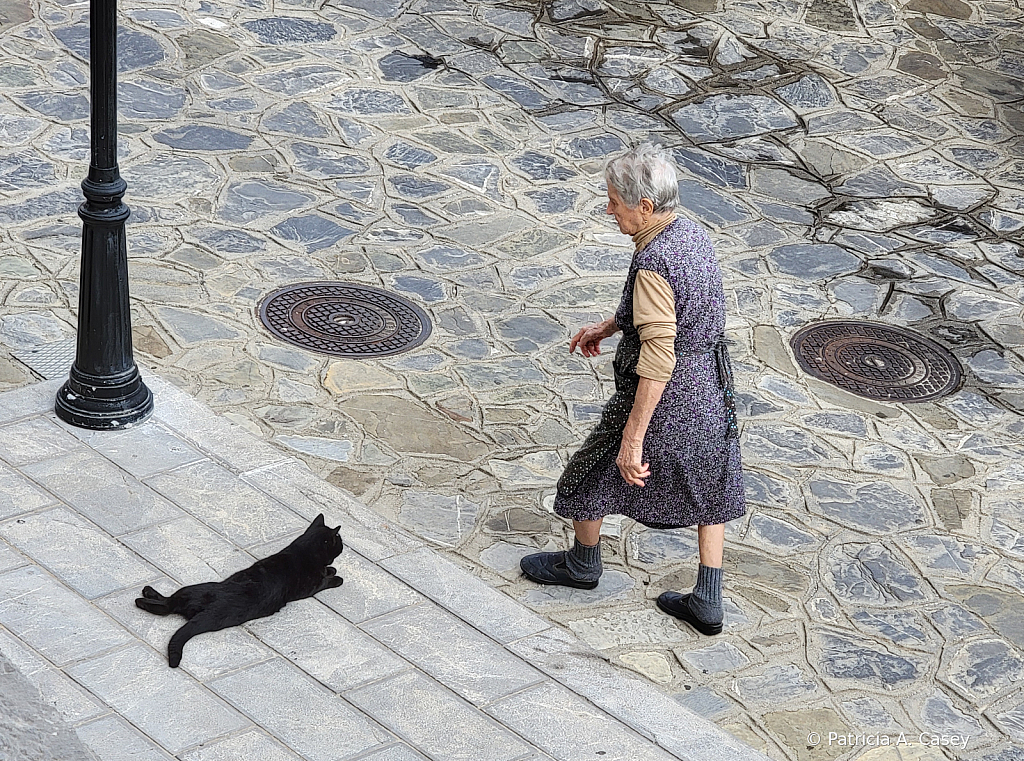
x: 857, y: 160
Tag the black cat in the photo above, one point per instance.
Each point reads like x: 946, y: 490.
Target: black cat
x: 299, y: 570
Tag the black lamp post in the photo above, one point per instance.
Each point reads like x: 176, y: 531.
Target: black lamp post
x: 104, y: 389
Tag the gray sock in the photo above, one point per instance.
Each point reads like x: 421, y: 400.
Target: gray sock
x: 706, y: 599
x: 584, y: 561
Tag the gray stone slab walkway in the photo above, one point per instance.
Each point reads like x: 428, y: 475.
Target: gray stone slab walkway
x: 412, y: 658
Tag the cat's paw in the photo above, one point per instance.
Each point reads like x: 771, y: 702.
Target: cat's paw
x: 334, y: 581
x: 159, y: 607
x: 151, y: 593
x: 330, y: 571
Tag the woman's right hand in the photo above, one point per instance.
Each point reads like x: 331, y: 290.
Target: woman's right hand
x: 589, y: 339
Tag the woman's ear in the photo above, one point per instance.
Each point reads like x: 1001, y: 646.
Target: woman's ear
x: 646, y: 206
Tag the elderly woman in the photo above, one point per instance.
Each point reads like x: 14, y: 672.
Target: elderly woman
x: 665, y: 452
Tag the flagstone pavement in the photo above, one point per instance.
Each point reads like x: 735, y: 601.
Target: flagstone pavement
x: 856, y: 159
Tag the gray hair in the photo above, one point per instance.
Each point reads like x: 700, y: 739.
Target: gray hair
x: 646, y: 171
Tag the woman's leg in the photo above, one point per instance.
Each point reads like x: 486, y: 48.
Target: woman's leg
x: 706, y: 598
x: 711, y: 542
x: 589, y: 532
x: 702, y: 608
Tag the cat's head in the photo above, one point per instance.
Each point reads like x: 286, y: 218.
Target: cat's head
x: 322, y: 540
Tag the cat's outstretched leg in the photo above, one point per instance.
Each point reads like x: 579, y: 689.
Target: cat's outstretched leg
x: 197, y: 625
x: 154, y: 602
x: 329, y: 581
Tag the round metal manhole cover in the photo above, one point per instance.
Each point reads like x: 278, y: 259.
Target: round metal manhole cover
x: 876, y: 361
x: 344, y: 320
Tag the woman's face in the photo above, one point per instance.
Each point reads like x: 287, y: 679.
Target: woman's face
x: 631, y: 221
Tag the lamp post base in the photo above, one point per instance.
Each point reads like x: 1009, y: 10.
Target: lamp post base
x: 104, y: 403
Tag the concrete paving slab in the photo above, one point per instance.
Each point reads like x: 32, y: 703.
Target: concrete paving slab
x: 214, y: 495
x: 167, y: 705
x: 9, y: 558
x: 455, y: 654
x: 465, y: 595
x: 327, y: 647
x: 649, y: 712
x: 248, y: 745
x: 185, y: 415
x: 368, y: 591
x: 142, y: 451
x: 565, y: 725
x: 300, y: 712
x: 904, y: 158
x: 294, y: 483
x: 113, y: 739
x: 53, y: 620
x: 77, y: 552
x: 24, y: 402
x: 396, y: 753
x: 34, y: 440
x: 72, y: 702
x: 19, y: 495
x: 432, y: 718
x: 211, y: 656
x: 188, y: 551
x: 105, y: 494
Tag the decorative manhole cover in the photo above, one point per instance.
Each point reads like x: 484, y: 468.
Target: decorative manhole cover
x: 877, y: 361
x: 344, y: 320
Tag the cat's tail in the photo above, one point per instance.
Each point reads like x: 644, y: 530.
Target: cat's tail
x: 196, y: 626
x: 154, y: 602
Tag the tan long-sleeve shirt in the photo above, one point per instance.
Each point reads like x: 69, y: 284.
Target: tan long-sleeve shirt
x: 654, y: 317
x: 654, y: 313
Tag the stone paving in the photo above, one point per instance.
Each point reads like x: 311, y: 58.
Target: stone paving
x: 859, y: 160
x: 30, y: 729
x: 412, y: 658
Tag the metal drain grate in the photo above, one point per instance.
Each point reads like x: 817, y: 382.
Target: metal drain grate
x: 344, y: 320
x: 876, y: 361
x: 51, y: 361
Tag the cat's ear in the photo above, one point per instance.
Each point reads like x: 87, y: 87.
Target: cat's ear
x: 319, y: 520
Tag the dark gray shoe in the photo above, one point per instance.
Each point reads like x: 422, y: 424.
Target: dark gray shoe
x: 678, y: 605
x: 549, y: 568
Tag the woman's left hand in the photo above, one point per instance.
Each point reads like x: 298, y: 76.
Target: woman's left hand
x: 631, y: 465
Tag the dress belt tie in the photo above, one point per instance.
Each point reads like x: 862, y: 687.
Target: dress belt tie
x: 723, y: 365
